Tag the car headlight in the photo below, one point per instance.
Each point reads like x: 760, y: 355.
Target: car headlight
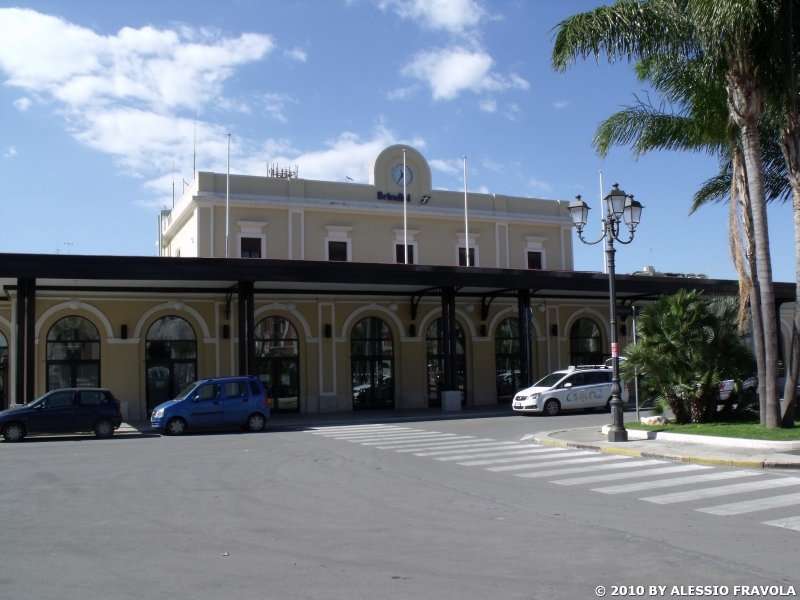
x: 159, y: 413
x: 533, y: 397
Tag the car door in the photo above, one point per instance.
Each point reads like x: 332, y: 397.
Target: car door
x: 91, y: 405
x: 205, y: 409
x: 574, y: 393
x: 236, y: 402
x: 598, y: 388
x: 56, y: 412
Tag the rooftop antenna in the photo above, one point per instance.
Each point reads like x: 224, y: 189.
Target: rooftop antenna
x: 68, y: 244
x: 350, y: 178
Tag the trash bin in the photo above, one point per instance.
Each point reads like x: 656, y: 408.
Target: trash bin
x: 451, y: 401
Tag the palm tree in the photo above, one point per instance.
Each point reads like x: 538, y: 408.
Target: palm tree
x: 688, y: 344
x: 725, y: 32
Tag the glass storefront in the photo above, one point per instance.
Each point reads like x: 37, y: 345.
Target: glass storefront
x: 507, y: 360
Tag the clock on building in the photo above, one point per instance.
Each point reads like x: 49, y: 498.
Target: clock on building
x: 397, y: 175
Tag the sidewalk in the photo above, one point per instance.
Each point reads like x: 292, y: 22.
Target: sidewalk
x: 700, y: 449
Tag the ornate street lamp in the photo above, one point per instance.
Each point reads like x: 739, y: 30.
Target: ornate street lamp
x: 619, y: 207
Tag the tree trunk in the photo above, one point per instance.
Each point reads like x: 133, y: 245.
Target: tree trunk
x: 745, y: 101
x: 791, y: 152
x: 740, y: 191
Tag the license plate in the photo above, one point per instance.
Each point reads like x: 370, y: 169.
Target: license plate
x: 518, y: 405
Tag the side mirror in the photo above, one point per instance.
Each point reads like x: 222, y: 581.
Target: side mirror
x: 38, y: 407
x: 196, y: 398
x: 568, y: 385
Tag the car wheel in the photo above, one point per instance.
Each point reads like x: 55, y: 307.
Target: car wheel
x: 104, y: 429
x: 176, y: 426
x: 256, y: 422
x: 14, y: 432
x: 552, y: 408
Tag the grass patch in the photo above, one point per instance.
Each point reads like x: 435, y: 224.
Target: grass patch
x: 752, y: 431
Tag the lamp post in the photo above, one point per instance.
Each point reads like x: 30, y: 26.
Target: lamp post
x: 618, y: 206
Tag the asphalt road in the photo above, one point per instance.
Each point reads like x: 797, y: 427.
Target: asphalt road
x: 329, y: 514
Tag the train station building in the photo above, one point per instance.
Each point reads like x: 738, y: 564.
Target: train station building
x: 305, y: 284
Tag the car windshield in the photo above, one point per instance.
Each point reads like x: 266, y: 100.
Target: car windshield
x: 550, y: 380
x: 186, y: 391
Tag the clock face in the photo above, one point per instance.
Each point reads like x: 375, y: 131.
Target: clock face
x: 397, y: 175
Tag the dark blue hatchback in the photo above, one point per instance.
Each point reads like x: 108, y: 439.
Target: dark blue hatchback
x: 213, y: 404
x: 64, y: 411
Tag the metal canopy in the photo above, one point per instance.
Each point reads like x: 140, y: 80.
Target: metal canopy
x: 217, y: 275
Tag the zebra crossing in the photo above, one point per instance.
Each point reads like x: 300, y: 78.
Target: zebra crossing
x: 573, y: 467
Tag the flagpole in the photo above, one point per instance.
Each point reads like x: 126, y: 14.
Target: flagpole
x: 405, y: 216
x: 466, y: 221
x: 228, y: 200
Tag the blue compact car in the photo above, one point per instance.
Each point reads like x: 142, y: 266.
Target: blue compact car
x: 214, y: 404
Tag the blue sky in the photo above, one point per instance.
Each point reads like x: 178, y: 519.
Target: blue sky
x: 98, y: 100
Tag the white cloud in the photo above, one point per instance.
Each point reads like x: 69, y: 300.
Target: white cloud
x: 561, y: 104
x: 10, y: 152
x: 491, y: 165
x: 540, y: 185
x: 403, y: 93
x: 512, y: 111
x: 482, y: 190
x: 488, y: 105
x: 274, y: 104
x: 164, y: 69
x: 22, y: 104
x: 297, y: 54
x: 451, y: 15
x: 449, y: 71
x: 447, y: 166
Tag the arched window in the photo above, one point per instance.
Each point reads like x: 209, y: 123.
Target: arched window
x: 73, y: 354
x: 434, y: 342
x: 277, y: 363
x: 3, y: 370
x: 585, y: 343
x: 507, y: 360
x: 170, y: 359
x: 372, y: 364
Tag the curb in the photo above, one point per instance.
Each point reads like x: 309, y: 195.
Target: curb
x: 545, y: 439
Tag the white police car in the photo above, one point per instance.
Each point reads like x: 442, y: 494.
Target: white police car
x: 585, y: 387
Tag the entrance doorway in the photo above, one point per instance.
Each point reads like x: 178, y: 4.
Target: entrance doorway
x: 372, y: 364
x: 170, y: 359
x: 434, y: 344
x: 277, y: 363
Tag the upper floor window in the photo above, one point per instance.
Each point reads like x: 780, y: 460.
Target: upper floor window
x: 338, y: 245
x: 534, y: 257
x: 250, y: 247
x: 401, y: 237
x: 461, y: 250
x: 400, y: 255
x: 337, y: 251
x: 462, y: 257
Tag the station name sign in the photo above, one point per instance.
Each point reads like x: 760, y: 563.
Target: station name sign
x: 399, y: 197
x: 393, y: 197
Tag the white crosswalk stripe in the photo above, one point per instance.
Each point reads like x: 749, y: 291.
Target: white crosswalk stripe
x: 476, y: 448
x: 790, y: 523
x: 418, y: 446
x: 550, y: 459
x: 593, y: 459
x: 631, y: 474
x: 406, y: 437
x: 364, y: 428
x: 739, y: 508
x: 674, y: 482
x: 725, y: 490
x: 498, y: 461
x: 441, y: 437
x: 509, y: 452
x: 388, y: 435
x: 591, y: 468
x: 452, y: 444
